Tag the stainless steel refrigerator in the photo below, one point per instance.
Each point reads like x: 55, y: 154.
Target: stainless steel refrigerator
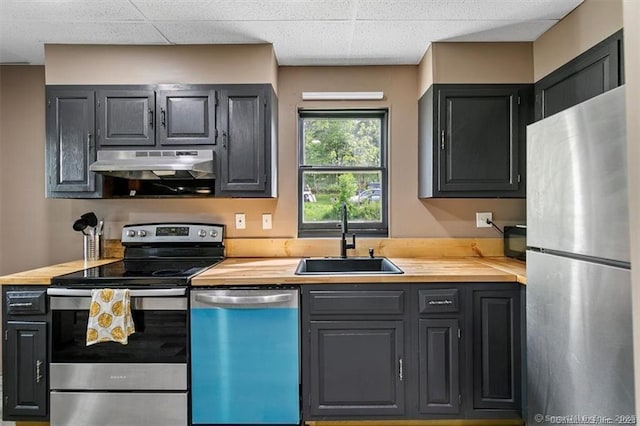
x: 578, y: 308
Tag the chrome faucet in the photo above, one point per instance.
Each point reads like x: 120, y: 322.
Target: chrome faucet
x: 344, y: 246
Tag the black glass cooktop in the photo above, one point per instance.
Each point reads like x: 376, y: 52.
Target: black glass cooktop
x: 132, y: 273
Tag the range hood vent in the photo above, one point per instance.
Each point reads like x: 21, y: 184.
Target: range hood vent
x: 156, y: 164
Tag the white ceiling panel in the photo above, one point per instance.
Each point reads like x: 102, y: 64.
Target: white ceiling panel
x: 464, y: 9
x: 80, y: 32
x: 68, y: 11
x: 303, y: 32
x: 246, y: 10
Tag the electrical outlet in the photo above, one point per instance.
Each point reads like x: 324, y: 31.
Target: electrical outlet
x: 241, y: 222
x: 481, y: 219
x: 266, y: 221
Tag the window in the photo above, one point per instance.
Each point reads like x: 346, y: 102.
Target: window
x: 342, y: 159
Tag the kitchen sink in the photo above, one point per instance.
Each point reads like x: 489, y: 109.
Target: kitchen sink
x: 350, y: 265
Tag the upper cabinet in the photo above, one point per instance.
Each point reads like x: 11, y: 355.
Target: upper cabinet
x: 147, y: 117
x: 594, y: 72
x: 186, y: 117
x: 246, y: 152
x: 472, y: 140
x: 70, y: 143
x: 237, y: 122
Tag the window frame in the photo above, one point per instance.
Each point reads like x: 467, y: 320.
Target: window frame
x: 372, y: 229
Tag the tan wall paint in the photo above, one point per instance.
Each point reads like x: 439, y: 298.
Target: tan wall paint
x: 632, y: 74
x: 482, y: 62
x: 586, y: 26
x: 425, y: 72
x: 409, y: 217
x: 100, y: 64
x: 475, y: 63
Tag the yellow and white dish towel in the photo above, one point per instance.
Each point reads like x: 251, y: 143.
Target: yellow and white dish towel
x: 110, y: 316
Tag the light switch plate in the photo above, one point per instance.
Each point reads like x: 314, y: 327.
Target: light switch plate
x: 241, y: 222
x: 481, y: 219
x: 266, y: 221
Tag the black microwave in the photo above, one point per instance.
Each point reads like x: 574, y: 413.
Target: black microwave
x: 515, y: 241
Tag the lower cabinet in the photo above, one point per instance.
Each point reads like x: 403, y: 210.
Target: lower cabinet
x: 411, y: 351
x: 356, y: 368
x: 25, y: 363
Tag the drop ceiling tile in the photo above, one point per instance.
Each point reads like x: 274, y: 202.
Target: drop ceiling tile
x: 82, y: 32
x: 68, y: 11
x: 246, y: 10
x: 291, y: 39
x: 464, y: 9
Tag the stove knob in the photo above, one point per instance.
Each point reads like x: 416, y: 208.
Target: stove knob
x: 131, y: 233
x: 142, y: 233
x: 202, y: 233
x: 213, y: 234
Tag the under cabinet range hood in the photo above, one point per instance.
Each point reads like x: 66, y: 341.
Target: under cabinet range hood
x: 156, y: 164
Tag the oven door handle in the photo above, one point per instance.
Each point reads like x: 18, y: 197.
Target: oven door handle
x: 243, y: 300
x: 79, y: 292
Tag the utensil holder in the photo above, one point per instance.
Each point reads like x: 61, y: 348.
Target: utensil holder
x: 92, y: 247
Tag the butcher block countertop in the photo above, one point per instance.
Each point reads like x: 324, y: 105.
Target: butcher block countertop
x: 42, y: 276
x: 279, y: 271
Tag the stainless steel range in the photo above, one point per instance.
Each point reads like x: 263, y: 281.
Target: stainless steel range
x: 144, y: 382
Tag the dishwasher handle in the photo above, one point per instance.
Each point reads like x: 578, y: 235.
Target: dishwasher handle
x: 231, y: 301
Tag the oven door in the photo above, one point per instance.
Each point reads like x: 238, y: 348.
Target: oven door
x: 155, y: 357
x: 138, y: 384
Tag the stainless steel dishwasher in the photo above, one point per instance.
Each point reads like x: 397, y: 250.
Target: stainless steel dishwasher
x: 245, y: 356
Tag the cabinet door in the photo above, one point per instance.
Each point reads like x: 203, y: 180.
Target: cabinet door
x: 25, y: 378
x: 70, y: 146
x: 356, y: 368
x: 242, y: 156
x: 478, y: 139
x: 594, y: 72
x: 439, y: 366
x: 186, y: 117
x: 496, y: 350
x: 126, y: 117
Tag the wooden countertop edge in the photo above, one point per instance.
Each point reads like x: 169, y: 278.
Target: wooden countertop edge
x: 502, y: 270
x: 42, y: 276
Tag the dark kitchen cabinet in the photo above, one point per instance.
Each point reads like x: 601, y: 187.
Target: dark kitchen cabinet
x: 599, y: 69
x: 246, y: 152
x: 126, y: 117
x: 411, y: 351
x: 439, y: 365
x: 71, y: 143
x: 354, y: 352
x: 25, y: 362
x: 356, y: 368
x: 439, y: 348
x: 151, y: 115
x: 472, y: 140
x: 496, y: 349
x: 186, y: 117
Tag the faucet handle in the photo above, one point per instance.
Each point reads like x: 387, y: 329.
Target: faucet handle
x: 371, y: 252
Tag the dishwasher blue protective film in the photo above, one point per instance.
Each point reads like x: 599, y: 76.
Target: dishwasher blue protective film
x: 244, y: 366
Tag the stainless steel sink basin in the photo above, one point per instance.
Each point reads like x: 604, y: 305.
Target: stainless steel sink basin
x: 350, y: 265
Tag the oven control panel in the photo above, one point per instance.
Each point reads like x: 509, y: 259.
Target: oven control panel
x: 152, y: 233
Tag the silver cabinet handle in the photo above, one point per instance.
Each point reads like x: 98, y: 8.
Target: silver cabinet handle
x: 400, y: 372
x: 20, y: 305
x: 39, y: 375
x: 243, y: 300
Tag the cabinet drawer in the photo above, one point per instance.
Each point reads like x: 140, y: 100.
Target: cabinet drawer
x: 357, y: 302
x: 26, y: 302
x: 438, y: 301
